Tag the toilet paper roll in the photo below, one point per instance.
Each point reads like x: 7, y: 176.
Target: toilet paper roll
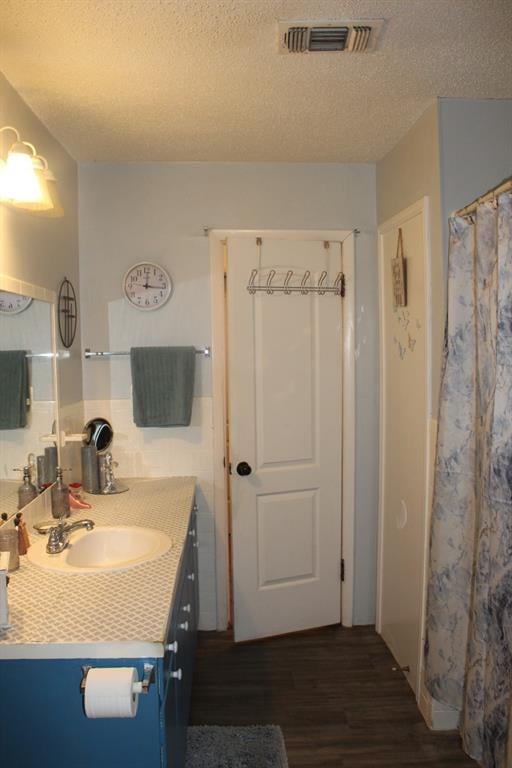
x: 109, y: 692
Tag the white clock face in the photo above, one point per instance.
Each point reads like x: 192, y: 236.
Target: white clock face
x: 12, y: 303
x: 147, y: 286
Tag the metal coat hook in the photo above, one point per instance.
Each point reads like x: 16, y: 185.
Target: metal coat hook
x: 305, y: 279
x: 251, y: 287
x: 322, y: 286
x: 270, y: 277
x: 321, y: 282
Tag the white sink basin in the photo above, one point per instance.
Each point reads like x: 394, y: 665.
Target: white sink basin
x: 105, y: 548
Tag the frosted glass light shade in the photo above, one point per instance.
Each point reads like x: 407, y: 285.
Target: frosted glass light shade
x: 21, y: 180
x: 27, y: 183
x: 57, y: 211
x: 3, y: 183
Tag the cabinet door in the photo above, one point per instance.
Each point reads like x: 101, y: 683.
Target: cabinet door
x: 45, y: 722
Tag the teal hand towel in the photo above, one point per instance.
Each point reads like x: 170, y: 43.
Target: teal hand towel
x: 14, y: 389
x: 162, y: 385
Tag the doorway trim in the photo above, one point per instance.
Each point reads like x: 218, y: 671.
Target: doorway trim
x: 217, y: 239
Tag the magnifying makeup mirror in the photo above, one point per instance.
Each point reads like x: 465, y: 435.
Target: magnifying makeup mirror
x: 98, y: 432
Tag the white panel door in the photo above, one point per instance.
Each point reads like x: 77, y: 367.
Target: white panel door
x: 404, y: 444
x: 285, y: 401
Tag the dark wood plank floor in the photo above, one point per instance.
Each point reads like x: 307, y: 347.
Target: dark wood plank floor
x: 332, y: 692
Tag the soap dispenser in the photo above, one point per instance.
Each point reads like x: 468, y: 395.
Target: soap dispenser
x: 27, y: 490
x: 60, y: 497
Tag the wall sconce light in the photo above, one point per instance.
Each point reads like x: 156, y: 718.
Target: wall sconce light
x: 56, y: 211
x: 26, y: 182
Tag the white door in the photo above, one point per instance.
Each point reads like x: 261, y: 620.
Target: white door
x: 405, y: 372
x: 285, y: 406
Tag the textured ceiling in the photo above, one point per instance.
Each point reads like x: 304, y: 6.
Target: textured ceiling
x: 202, y: 79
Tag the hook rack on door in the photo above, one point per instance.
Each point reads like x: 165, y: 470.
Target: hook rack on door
x: 304, y: 286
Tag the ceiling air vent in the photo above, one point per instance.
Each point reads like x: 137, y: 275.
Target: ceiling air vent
x: 328, y: 36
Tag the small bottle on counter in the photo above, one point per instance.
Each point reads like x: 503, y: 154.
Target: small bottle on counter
x: 60, y: 496
x: 24, y: 532
x: 27, y: 490
x: 23, y: 539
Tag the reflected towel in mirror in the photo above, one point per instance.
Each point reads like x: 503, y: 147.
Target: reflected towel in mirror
x: 14, y: 389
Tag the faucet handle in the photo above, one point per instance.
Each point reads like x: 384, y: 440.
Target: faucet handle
x: 55, y: 543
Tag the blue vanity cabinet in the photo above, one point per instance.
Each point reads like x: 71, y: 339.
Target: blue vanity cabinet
x: 179, y: 659
x: 43, y: 723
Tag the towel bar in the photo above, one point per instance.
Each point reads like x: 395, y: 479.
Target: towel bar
x: 63, y: 354
x: 88, y: 353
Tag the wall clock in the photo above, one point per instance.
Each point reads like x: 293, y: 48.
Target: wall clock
x: 13, y: 303
x: 147, y: 286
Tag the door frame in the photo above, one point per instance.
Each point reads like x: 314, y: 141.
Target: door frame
x: 217, y: 238
x: 420, y: 207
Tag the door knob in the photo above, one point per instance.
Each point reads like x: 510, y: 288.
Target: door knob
x: 243, y: 469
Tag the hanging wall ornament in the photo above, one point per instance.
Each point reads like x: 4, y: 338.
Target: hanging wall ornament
x: 68, y: 312
x: 398, y: 274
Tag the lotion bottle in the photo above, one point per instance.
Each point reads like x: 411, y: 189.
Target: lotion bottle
x: 27, y: 490
x: 60, y: 497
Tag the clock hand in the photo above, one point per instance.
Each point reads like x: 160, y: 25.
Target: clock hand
x: 158, y: 287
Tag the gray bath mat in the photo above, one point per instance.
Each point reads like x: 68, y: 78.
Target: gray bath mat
x: 253, y: 746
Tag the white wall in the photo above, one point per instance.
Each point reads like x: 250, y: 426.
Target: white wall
x: 476, y: 150
x: 157, y: 211
x: 410, y: 171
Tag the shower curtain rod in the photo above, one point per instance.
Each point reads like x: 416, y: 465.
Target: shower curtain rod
x: 503, y: 186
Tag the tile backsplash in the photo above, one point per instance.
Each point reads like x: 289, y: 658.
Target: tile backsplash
x: 164, y: 452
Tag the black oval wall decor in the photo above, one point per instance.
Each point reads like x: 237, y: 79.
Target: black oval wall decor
x: 68, y: 311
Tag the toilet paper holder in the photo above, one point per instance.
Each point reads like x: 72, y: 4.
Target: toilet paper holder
x: 141, y: 687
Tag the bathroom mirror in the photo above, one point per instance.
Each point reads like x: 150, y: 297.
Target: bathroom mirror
x: 28, y: 401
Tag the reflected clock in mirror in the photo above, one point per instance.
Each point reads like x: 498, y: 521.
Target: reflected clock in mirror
x: 13, y: 303
x: 27, y: 387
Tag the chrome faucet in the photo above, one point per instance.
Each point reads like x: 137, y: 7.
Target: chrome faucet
x: 110, y: 481
x: 58, y: 538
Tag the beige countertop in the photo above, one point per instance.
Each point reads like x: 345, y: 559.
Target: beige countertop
x: 116, y: 614
x: 9, y: 496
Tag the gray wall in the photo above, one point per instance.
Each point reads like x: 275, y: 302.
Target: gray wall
x: 476, y: 150
x: 33, y: 248
x: 157, y: 211
x: 409, y: 172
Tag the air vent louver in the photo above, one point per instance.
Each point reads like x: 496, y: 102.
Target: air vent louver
x: 329, y: 36
x: 359, y: 38
x: 300, y: 39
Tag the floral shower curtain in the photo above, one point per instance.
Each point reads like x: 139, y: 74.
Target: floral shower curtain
x: 469, y: 612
